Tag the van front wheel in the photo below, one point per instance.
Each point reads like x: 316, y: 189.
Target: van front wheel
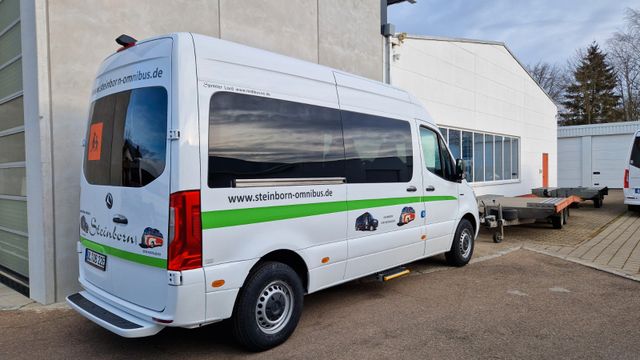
x: 462, y: 246
x: 268, y: 306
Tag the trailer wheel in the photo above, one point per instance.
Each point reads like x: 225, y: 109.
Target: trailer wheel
x: 462, y: 246
x: 497, y: 237
x: 597, y: 202
x: 556, y: 221
x: 268, y: 307
x: 565, y: 216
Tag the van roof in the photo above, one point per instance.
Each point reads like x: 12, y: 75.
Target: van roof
x: 226, y: 51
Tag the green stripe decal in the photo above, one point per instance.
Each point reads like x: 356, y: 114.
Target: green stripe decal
x: 224, y: 218
x: 137, y: 258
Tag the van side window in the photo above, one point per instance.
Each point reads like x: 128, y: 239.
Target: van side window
x: 377, y: 149
x: 252, y: 137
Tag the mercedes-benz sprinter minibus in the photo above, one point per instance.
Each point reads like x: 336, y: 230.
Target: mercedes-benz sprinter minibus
x: 222, y: 181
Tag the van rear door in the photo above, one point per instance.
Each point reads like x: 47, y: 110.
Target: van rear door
x: 124, y: 199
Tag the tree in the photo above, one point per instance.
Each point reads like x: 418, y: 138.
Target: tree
x: 591, y: 97
x: 550, y: 77
x: 624, y: 48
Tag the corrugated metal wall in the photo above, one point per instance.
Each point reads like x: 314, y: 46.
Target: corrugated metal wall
x: 13, y: 195
x: 599, y: 129
x: 594, y: 155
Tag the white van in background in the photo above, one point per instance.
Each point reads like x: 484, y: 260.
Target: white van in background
x: 632, y: 175
x: 222, y: 181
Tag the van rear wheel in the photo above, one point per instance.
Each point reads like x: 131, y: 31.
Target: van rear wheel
x: 268, y: 306
x: 462, y: 246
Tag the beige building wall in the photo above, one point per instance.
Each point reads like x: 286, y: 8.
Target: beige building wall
x: 72, y: 37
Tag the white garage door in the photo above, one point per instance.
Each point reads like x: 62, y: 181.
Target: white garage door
x: 569, y: 161
x: 609, y: 155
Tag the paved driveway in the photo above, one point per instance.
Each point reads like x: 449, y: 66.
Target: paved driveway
x: 521, y: 305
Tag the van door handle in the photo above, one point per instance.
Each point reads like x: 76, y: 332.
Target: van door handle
x: 596, y: 173
x: 120, y: 219
x: 412, y: 188
x: 430, y: 188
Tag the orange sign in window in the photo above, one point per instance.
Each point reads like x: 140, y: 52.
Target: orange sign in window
x: 95, y: 142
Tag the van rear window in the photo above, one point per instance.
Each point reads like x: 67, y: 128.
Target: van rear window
x: 127, y: 138
x: 635, y: 153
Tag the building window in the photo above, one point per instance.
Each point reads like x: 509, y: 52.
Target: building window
x: 488, y: 157
x: 467, y: 153
x: 498, y: 158
x: 489, y: 171
x: 454, y: 143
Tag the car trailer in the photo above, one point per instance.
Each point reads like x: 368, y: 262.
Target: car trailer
x: 595, y: 194
x: 498, y: 211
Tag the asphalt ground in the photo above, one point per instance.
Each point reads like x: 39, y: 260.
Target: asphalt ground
x: 521, y: 305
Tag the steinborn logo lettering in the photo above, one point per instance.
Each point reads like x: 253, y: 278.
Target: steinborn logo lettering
x: 109, y: 200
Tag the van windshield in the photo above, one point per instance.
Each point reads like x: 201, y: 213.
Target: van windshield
x: 127, y: 138
x: 635, y: 153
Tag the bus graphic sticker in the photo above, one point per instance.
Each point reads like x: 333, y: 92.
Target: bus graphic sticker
x: 151, y: 238
x: 94, y: 142
x: 366, y: 222
x: 407, y: 215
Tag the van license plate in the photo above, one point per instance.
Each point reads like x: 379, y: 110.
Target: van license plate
x: 95, y: 259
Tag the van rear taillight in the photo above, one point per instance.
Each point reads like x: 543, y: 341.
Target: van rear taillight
x: 626, y: 178
x: 185, y: 231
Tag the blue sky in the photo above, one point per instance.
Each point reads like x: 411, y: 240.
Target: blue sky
x: 547, y: 30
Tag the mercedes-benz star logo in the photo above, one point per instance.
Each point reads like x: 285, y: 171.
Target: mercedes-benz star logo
x: 109, y: 200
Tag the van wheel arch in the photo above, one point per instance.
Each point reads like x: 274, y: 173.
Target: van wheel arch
x: 290, y: 258
x: 472, y: 220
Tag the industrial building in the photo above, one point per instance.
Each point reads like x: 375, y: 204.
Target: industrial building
x: 50, y: 52
x: 493, y: 114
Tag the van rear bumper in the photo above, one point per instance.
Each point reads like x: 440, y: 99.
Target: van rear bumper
x: 110, y: 318
x: 630, y: 197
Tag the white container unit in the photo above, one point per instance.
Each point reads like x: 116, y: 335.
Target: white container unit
x: 594, y: 155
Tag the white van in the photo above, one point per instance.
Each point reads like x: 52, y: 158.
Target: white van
x: 632, y: 175
x: 222, y: 181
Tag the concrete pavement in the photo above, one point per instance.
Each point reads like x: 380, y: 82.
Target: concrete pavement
x: 614, y: 247
x: 522, y: 305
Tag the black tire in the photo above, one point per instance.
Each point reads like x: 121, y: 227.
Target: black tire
x: 275, y: 277
x: 497, y: 237
x: 634, y: 208
x: 462, y: 247
x: 556, y: 221
x: 597, y: 202
x: 565, y: 216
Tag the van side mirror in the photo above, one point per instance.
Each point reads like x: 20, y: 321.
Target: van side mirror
x: 460, y: 170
